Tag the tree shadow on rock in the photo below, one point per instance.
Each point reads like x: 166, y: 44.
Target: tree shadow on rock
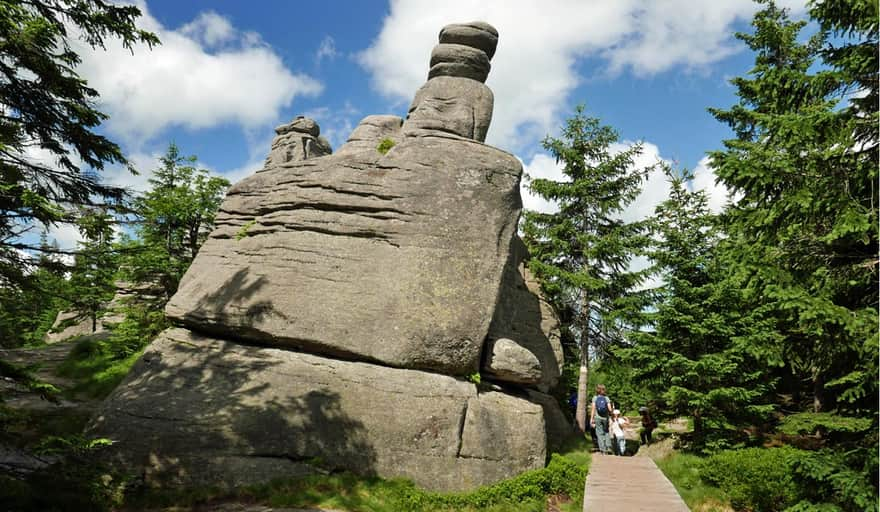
x: 230, y: 311
x: 200, y: 411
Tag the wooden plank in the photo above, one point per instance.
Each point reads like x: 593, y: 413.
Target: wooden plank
x: 629, y: 484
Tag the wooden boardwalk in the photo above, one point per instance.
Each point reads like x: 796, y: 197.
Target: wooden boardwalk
x: 629, y: 484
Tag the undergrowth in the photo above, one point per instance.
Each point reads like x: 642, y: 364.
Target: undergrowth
x: 562, y: 480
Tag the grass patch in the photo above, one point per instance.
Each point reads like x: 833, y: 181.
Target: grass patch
x: 385, y: 146
x: 561, y: 483
x: 683, y: 470
x: 94, y: 368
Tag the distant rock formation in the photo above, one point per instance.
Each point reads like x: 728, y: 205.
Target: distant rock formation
x: 296, y: 141
x: 336, y: 315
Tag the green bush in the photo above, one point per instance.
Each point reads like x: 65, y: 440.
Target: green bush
x: 755, y: 479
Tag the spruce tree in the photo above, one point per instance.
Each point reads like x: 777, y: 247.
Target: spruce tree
x: 47, y: 105
x: 92, y: 283
x: 804, y: 170
x: 705, y: 353
x: 175, y: 217
x: 581, y: 254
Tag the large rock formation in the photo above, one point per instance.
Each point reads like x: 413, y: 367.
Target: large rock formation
x: 333, y: 314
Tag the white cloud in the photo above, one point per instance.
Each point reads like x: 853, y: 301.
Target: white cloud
x: 542, y: 166
x: 654, y: 190
x: 202, y: 75
x: 210, y: 29
x: 327, y: 50
x: 533, y: 70
x: 67, y: 236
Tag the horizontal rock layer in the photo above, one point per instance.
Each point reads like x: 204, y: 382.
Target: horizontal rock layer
x: 394, y: 258
x: 197, y: 410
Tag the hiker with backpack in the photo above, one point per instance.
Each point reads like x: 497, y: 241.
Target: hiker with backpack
x: 599, y: 413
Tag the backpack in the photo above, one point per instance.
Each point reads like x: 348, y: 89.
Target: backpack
x: 602, y: 406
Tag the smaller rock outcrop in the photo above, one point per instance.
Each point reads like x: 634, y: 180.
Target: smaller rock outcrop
x: 297, y: 140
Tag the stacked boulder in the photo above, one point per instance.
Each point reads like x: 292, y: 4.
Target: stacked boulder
x: 297, y: 140
x: 340, y: 311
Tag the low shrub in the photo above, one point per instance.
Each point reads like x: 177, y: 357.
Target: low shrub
x: 755, y: 479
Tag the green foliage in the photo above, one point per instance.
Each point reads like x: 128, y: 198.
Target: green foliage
x: 91, y: 283
x: 581, y: 253
x: 803, y: 165
x: 243, y: 232
x: 25, y: 377
x: 756, y: 479
x: 563, y: 476
x: 834, y: 480
x: 385, y: 146
x: 475, y: 378
x: 706, y: 354
x: 683, y: 470
x: 47, y: 105
x: 79, y: 481
x: 28, y: 310
x: 96, y: 366
x: 175, y: 217
x: 809, y: 423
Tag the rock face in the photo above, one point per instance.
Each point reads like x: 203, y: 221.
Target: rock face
x: 205, y: 411
x: 296, y: 141
x: 332, y: 315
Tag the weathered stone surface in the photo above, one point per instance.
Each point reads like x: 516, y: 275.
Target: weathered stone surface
x: 68, y: 324
x: 371, y: 131
x: 296, y: 141
x: 525, y: 318
x: 509, y: 361
x: 197, y: 410
x: 459, y: 60
x: 559, y: 429
x: 300, y: 124
x: 454, y: 106
x: 376, y: 258
x: 476, y: 34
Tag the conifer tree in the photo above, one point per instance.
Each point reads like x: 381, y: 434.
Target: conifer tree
x: 45, y: 104
x: 95, y: 264
x: 706, y: 353
x: 804, y: 168
x: 175, y: 217
x: 581, y: 253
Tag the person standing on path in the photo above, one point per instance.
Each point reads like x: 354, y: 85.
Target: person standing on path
x: 617, y: 422
x: 599, y: 413
x: 648, y: 425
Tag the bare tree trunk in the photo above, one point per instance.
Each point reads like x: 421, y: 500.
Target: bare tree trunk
x: 581, y: 412
x: 818, y: 391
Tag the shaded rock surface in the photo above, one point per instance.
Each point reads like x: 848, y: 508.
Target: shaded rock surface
x: 528, y: 327
x: 197, y: 410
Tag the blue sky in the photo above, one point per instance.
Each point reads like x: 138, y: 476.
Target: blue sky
x: 229, y: 71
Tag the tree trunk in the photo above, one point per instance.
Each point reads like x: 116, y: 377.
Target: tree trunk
x: 698, y: 425
x: 818, y: 391
x: 581, y: 412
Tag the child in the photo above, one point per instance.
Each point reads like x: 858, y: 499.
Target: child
x: 616, y: 423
